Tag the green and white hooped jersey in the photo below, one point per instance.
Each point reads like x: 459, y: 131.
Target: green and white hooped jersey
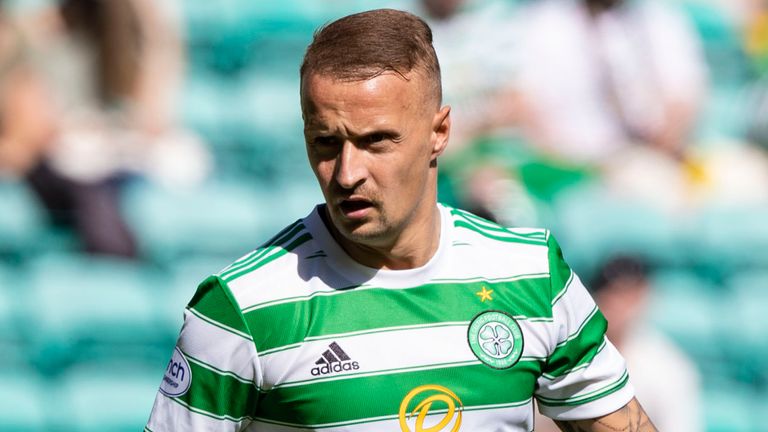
x: 298, y: 336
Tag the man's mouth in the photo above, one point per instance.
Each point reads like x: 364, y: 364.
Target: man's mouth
x: 355, y: 208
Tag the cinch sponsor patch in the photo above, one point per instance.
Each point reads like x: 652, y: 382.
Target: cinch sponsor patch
x: 178, y: 375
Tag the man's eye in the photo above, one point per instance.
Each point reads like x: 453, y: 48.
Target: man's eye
x: 325, y: 141
x: 374, y: 138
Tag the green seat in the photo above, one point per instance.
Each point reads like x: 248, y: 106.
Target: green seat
x: 221, y: 218
x: 22, y: 221
x: 593, y: 226
x: 81, y: 307
x: 731, y: 238
x: 22, y: 401
x: 218, y: 218
x: 730, y: 407
x: 746, y: 320
x: 684, y: 305
x: 115, y: 397
x: 13, y: 346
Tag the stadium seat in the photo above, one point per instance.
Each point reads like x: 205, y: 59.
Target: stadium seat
x: 216, y: 218
x: 220, y: 218
x: 22, y: 221
x: 82, y: 307
x: 22, y: 401
x: 184, y: 275
x: 593, y: 226
x: 732, y: 238
x: 12, y: 344
x: 746, y: 320
x: 683, y: 305
x: 96, y: 397
x: 730, y: 407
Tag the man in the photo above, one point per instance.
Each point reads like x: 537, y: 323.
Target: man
x: 635, y: 75
x: 382, y: 310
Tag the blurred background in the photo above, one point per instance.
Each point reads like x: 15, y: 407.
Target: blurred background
x: 146, y: 144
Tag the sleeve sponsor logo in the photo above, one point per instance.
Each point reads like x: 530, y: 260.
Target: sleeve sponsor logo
x: 178, y: 375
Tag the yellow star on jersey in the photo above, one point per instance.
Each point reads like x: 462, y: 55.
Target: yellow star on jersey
x: 484, y: 294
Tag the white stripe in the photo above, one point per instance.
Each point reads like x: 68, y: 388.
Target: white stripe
x: 386, y: 329
x: 219, y: 348
x: 391, y: 351
x: 168, y: 416
x: 572, y: 310
x: 200, y: 315
x: 498, y: 418
x: 606, y: 368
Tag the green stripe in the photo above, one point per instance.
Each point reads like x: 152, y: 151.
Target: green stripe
x: 376, y: 308
x: 347, y: 400
x: 206, y: 413
x: 588, y: 397
x: 564, y: 290
x: 583, y: 365
x: 558, y: 269
x: 261, y: 249
x: 214, y: 301
x: 261, y: 252
x: 392, y: 417
x: 467, y: 225
x: 219, y: 394
x: 491, y: 229
x: 346, y: 290
x: 579, y: 348
x: 269, y: 258
x: 219, y: 325
x: 485, y: 223
x: 220, y: 371
x: 479, y: 222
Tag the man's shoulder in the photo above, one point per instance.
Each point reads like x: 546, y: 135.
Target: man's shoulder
x: 470, y: 225
x: 289, y: 244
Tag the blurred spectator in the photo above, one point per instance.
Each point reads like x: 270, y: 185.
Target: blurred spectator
x: 614, y: 73
x: 102, y: 87
x: 665, y: 379
x: 756, y: 42
x: 27, y: 124
x: 476, y: 44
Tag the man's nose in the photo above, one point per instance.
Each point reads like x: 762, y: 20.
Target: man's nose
x: 351, y: 168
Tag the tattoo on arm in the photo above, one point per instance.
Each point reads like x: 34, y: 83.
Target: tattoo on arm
x: 629, y: 418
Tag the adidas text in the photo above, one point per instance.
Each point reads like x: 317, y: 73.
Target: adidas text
x: 335, y: 367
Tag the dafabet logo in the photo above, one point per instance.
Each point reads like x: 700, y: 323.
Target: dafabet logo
x: 426, y: 399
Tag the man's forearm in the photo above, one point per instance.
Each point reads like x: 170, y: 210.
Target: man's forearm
x: 630, y: 418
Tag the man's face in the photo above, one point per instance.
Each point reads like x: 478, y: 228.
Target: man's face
x: 372, y: 145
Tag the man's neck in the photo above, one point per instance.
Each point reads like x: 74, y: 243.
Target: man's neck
x: 411, y: 248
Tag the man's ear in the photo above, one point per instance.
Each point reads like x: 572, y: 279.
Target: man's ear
x: 441, y: 130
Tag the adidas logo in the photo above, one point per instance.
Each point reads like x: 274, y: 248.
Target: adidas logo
x: 334, y: 359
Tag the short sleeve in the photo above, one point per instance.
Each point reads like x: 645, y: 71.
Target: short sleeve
x: 212, y: 380
x: 584, y: 376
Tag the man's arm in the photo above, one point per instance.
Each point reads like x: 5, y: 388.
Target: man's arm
x: 630, y: 418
